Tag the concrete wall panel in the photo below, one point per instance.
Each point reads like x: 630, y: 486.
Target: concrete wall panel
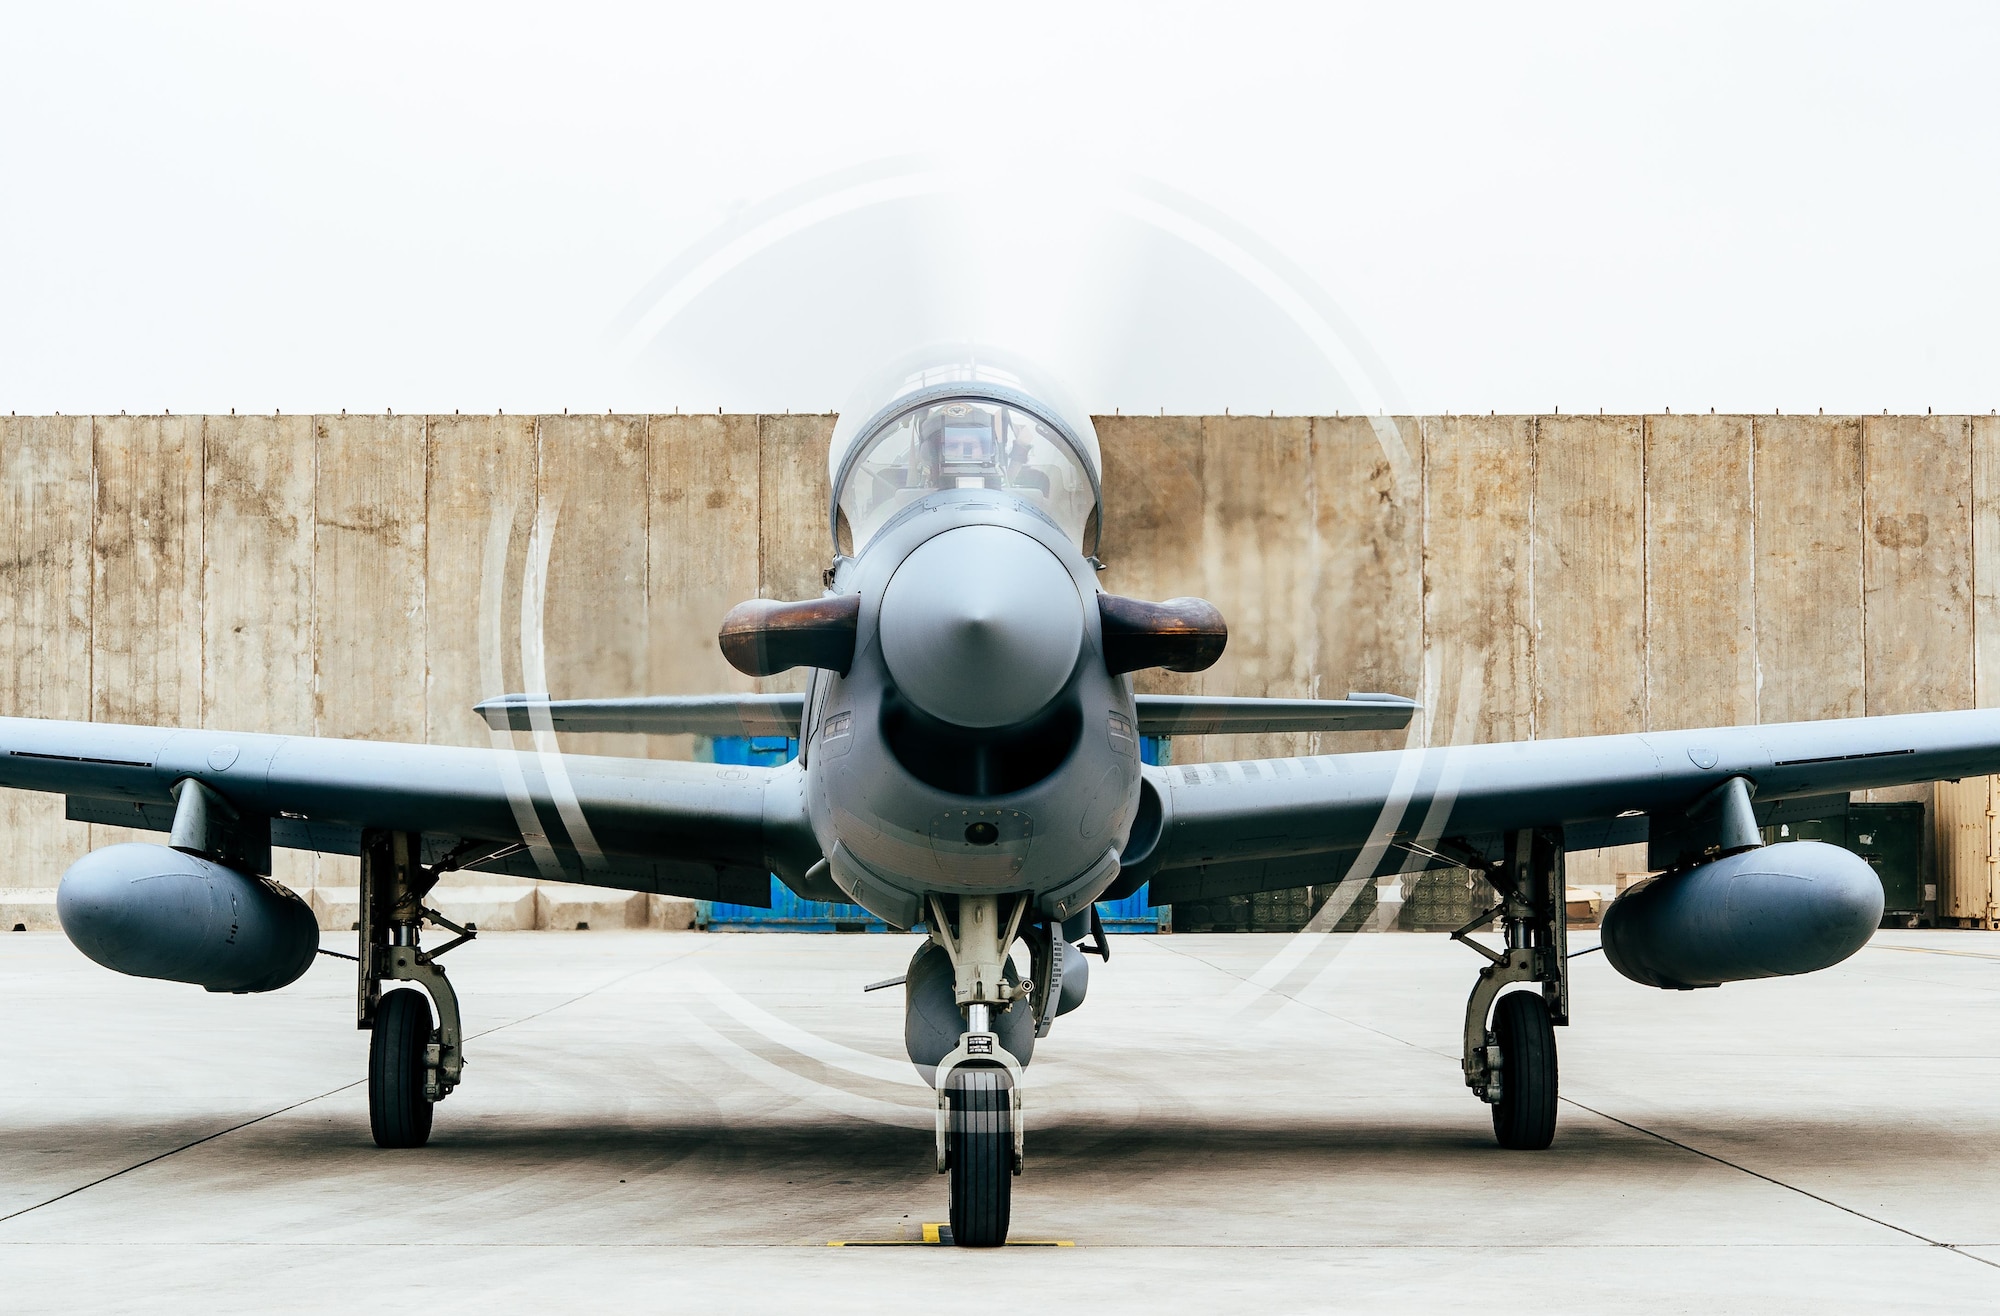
x: 257, y: 577
x: 46, y: 518
x: 1985, y: 443
x: 1258, y: 525
x: 704, y: 545
x: 1589, y: 575
x: 1478, y: 620
x: 1368, y: 490
x: 368, y: 577
x: 479, y: 517
x: 1917, y: 563
x: 1808, y: 473
x: 1700, y: 573
x: 594, y: 499
x: 147, y: 555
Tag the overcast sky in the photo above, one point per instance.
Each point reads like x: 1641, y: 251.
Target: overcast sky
x: 535, y: 207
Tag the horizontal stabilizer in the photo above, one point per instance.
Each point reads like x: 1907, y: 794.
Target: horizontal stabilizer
x: 658, y: 715
x: 778, y: 715
x: 1207, y: 715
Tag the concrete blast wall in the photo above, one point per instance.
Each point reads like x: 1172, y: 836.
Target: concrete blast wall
x: 1523, y: 575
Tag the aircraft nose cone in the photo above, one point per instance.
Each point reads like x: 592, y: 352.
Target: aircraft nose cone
x: 981, y: 626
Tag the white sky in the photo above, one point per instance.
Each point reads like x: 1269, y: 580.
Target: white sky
x: 207, y: 206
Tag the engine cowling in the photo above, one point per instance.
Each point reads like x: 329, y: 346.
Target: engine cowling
x: 154, y: 912
x: 1774, y: 911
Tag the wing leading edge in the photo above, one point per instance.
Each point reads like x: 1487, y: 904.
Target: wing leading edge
x: 1271, y: 824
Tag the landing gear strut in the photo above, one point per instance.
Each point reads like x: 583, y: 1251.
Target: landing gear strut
x: 1511, y: 1064
x: 412, y: 1065
x: 979, y: 1131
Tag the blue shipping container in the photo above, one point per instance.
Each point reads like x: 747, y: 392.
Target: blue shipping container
x: 788, y: 913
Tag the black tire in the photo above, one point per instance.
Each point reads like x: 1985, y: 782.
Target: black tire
x: 398, y: 1113
x: 1524, y: 1119
x: 979, y: 1143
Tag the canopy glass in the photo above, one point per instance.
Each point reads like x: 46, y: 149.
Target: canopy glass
x: 964, y: 443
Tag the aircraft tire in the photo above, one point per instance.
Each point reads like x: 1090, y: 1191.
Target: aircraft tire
x: 398, y: 1113
x: 979, y: 1143
x: 1524, y: 1119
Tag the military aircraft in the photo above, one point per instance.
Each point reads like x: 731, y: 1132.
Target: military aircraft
x: 970, y: 764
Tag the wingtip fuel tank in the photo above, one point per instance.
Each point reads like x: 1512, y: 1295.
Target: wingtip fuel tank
x: 1774, y: 911
x: 154, y: 912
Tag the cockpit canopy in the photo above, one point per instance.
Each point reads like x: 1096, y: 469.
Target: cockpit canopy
x: 963, y: 427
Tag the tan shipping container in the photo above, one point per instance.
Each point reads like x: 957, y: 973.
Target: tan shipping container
x: 1967, y: 821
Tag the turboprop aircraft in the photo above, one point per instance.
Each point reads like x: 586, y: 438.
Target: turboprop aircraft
x: 970, y: 764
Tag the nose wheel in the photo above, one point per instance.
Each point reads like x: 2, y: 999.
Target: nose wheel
x: 979, y: 1132
x: 979, y: 1155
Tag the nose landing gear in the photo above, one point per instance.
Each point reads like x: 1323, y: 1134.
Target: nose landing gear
x: 979, y: 1129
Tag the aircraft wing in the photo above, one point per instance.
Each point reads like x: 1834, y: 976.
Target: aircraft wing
x: 710, y: 831
x: 1271, y: 824
x: 779, y: 715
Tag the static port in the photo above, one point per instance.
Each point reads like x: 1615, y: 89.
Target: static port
x: 982, y: 833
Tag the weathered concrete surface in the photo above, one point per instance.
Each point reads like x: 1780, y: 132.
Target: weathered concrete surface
x: 480, y: 517
x: 1810, y: 482
x: 46, y: 520
x: 1917, y: 562
x: 1589, y: 575
x: 594, y: 514
x: 1479, y: 634
x: 1985, y: 445
x: 1368, y: 492
x: 1258, y: 523
x: 1701, y: 630
x: 704, y: 549
x: 1541, y: 576
x: 690, y: 1120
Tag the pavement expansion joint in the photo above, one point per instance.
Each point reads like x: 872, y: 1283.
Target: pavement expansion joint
x: 1789, y: 1187
x: 1939, y: 950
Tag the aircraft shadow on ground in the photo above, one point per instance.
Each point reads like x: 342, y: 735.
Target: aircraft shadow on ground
x: 830, y: 1145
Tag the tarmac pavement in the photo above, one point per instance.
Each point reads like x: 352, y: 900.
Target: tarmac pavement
x: 680, y: 1121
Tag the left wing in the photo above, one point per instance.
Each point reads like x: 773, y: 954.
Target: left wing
x: 710, y: 831
x: 1271, y: 824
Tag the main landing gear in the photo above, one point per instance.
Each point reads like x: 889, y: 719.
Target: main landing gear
x: 412, y: 1063
x: 1510, y: 1063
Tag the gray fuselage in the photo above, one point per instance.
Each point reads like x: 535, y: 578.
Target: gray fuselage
x: 976, y: 744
